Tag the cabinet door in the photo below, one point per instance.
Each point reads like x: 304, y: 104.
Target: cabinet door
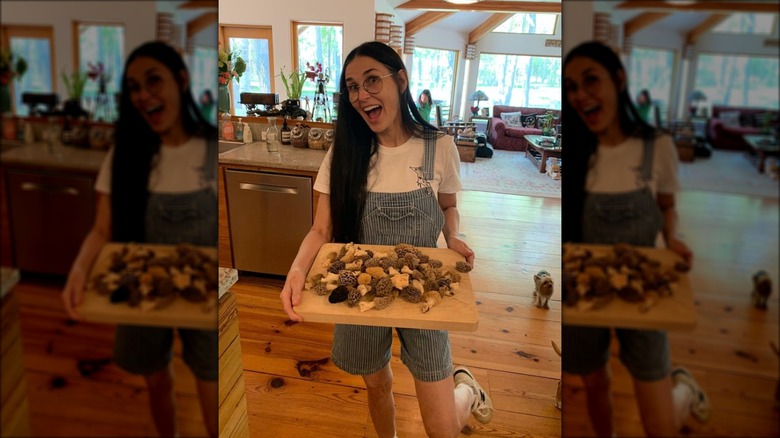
x: 270, y: 215
x: 50, y: 214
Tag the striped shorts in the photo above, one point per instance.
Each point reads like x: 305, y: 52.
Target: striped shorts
x: 364, y: 350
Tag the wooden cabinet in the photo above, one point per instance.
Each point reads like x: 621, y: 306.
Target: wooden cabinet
x: 225, y: 248
x: 50, y: 214
x: 233, y: 421
x: 14, y: 405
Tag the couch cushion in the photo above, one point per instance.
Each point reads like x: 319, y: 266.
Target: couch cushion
x: 521, y: 132
x: 730, y: 118
x: 529, y: 120
x: 512, y: 119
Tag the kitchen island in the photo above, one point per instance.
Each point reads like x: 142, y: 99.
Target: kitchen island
x: 266, y: 205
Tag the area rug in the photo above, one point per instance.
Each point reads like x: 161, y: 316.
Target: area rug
x: 728, y: 172
x: 508, y: 172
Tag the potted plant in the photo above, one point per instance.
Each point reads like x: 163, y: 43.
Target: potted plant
x: 230, y: 66
x: 547, y: 124
x: 10, y: 67
x: 293, y: 84
x: 74, y: 85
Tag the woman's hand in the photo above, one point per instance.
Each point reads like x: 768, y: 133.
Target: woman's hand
x: 291, y: 293
x: 679, y: 247
x: 73, y: 294
x: 458, y: 245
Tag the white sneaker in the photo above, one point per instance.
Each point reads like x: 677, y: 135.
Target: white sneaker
x: 700, y: 405
x: 482, y: 408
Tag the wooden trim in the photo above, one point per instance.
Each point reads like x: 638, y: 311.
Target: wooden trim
x: 454, y: 69
x: 294, y: 36
x: 487, y: 26
x: 75, y: 46
x: 701, y: 6
x: 705, y: 26
x: 200, y: 22
x: 199, y: 4
x: 641, y: 21
x: 484, y: 6
x: 227, y: 31
x: 424, y: 20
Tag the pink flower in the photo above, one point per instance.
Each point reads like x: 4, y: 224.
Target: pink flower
x: 222, y: 81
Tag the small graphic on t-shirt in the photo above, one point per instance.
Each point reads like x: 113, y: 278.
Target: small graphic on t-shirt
x: 421, y: 181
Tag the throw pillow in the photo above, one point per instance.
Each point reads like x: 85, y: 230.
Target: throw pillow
x: 529, y: 121
x: 512, y: 119
x: 730, y: 118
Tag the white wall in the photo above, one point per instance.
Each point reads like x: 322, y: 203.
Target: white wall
x: 139, y: 19
x: 356, y: 16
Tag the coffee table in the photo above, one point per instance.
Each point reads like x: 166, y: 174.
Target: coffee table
x: 764, y: 145
x: 544, y: 152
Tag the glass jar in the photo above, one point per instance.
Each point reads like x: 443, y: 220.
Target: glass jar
x: 272, y: 135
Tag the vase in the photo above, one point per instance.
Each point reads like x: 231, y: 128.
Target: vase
x: 223, y: 99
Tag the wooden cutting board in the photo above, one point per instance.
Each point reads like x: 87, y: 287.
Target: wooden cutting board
x: 456, y: 313
x: 676, y: 312
x: 180, y: 313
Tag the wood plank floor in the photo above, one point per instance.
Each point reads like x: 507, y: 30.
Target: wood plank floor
x: 510, y: 353
x: 107, y: 402
x: 732, y: 237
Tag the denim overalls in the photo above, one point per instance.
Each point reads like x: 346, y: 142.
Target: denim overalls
x: 388, y: 219
x: 173, y: 218
x: 632, y: 217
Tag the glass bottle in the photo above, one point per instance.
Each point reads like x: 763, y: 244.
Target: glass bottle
x: 227, y: 127
x: 240, y: 131
x: 272, y: 135
x: 286, y: 132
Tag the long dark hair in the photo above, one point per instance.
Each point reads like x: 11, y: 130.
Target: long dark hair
x: 577, y: 157
x: 136, y: 145
x: 355, y: 143
x: 426, y: 92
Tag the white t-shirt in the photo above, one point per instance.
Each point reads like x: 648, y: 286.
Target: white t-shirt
x: 617, y: 169
x: 394, y: 169
x: 177, y: 169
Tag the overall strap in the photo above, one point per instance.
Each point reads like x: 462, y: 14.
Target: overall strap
x: 210, y: 163
x: 647, y: 160
x: 429, y: 136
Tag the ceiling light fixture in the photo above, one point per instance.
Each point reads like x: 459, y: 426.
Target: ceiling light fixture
x: 462, y: 2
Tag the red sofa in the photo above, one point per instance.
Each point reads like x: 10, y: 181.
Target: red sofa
x: 511, y: 138
x: 751, y: 121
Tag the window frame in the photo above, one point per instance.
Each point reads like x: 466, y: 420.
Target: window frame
x: 561, y: 58
x: 77, y: 48
x: 294, y: 44
x: 771, y: 32
x: 454, y: 74
x: 710, y: 99
x: 8, y: 31
x: 666, y: 114
x: 227, y: 31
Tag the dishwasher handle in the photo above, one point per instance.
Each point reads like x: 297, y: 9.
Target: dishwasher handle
x: 268, y: 188
x: 35, y: 187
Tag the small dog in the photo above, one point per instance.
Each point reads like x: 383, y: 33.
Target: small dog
x: 544, y: 288
x: 762, y: 288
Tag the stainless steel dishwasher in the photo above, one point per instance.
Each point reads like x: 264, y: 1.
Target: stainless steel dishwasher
x: 270, y: 215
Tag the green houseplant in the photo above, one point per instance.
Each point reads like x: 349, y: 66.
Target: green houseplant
x: 74, y: 85
x: 293, y: 83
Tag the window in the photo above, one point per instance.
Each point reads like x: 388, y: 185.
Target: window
x: 652, y: 69
x: 738, y: 80
x: 255, y: 45
x: 529, y: 81
x: 543, y: 24
x: 36, y: 45
x: 753, y: 24
x: 434, y: 69
x: 323, y: 43
x: 100, y: 43
x: 203, y: 73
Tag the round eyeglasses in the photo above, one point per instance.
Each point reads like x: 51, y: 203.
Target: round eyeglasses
x: 372, y: 85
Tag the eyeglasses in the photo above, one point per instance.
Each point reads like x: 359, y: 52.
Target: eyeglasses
x: 153, y: 84
x: 372, y: 84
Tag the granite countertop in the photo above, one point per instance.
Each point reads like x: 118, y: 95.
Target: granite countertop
x: 288, y: 157
x: 58, y: 156
x: 227, y: 278
x: 8, y: 279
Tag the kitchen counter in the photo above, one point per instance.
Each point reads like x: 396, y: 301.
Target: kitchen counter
x: 56, y: 156
x: 288, y: 158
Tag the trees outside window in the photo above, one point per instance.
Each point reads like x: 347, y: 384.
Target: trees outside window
x: 255, y: 45
x: 36, y: 45
x: 100, y: 43
x: 652, y: 69
x: 323, y: 43
x: 541, y: 24
x: 434, y: 69
x: 738, y: 80
x: 519, y: 80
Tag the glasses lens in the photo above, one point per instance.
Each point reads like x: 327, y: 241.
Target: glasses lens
x: 373, y: 84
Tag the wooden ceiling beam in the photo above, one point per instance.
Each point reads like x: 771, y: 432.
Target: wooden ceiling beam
x: 201, y: 22
x: 199, y: 4
x: 487, y: 26
x: 426, y: 19
x: 483, y: 6
x: 700, y: 6
x: 641, y: 21
x: 705, y: 26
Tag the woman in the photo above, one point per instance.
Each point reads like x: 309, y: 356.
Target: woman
x: 644, y: 106
x: 620, y: 188
x: 384, y: 154
x: 158, y: 185
x: 424, y: 104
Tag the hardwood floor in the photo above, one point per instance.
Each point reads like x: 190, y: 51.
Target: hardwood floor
x: 510, y: 353
x: 63, y: 401
x: 732, y: 237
